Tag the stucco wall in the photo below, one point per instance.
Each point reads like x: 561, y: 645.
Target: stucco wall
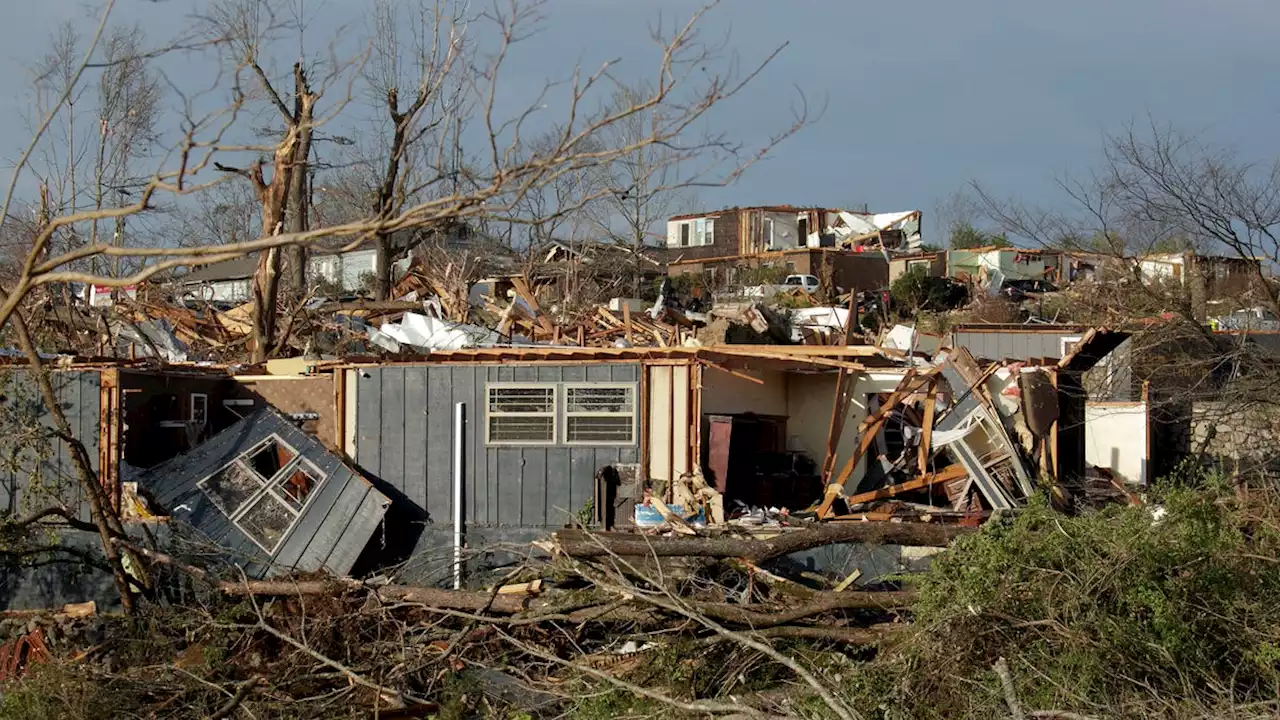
x: 727, y: 394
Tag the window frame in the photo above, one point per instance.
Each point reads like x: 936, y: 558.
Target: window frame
x: 634, y: 414
x: 191, y: 409
x: 554, y: 413
x: 267, y: 487
x: 1108, y: 370
x: 686, y: 233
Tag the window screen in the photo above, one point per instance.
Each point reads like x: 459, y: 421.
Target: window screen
x: 521, y: 414
x: 600, y: 414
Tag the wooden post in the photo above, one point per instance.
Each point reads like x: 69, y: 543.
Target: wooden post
x: 926, y: 428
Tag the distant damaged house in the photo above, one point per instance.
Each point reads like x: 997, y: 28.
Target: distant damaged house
x: 849, y: 247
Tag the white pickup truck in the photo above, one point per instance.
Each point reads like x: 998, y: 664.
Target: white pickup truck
x: 808, y: 283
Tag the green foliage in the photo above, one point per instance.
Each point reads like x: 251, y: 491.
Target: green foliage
x: 763, y: 275
x: 685, y: 284
x: 965, y: 236
x: 916, y: 290
x: 586, y: 514
x: 614, y: 704
x: 330, y: 288
x: 1107, y: 609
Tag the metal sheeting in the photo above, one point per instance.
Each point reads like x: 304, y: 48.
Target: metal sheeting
x: 1013, y: 345
x: 404, y: 437
x: 333, y: 528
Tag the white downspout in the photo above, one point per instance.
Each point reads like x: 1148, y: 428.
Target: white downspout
x: 459, y: 437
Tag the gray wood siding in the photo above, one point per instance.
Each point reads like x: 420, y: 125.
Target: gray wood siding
x: 404, y: 437
x: 29, y: 458
x: 334, y: 527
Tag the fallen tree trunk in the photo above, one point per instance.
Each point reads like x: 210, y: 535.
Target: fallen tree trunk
x: 433, y: 597
x: 759, y: 616
x: 584, y: 544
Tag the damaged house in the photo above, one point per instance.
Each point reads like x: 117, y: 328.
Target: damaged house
x: 348, y: 466
x: 195, y: 457
x: 846, y: 249
x: 554, y: 436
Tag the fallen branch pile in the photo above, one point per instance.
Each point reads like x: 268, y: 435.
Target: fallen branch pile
x: 603, y: 608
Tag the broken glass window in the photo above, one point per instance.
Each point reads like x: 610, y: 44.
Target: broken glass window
x: 267, y: 521
x: 231, y: 487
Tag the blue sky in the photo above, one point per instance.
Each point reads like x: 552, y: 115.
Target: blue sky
x: 921, y: 96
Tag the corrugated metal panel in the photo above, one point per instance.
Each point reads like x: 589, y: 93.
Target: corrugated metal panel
x: 326, y: 527
x: 1012, y: 345
x: 412, y: 448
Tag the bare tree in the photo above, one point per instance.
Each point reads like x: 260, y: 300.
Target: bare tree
x: 645, y: 184
x: 435, y: 56
x: 491, y: 184
x: 1159, y: 200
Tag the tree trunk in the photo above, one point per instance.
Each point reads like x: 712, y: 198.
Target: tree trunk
x: 295, y: 260
x: 390, y: 195
x: 584, y: 544
x: 266, y: 285
x: 382, y: 278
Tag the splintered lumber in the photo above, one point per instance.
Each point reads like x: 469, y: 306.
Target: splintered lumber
x: 371, y: 306
x: 584, y: 544
x: 926, y: 428
x: 844, y: 395
x: 953, y: 472
x: 868, y: 430
x: 521, y: 287
x: 533, y: 587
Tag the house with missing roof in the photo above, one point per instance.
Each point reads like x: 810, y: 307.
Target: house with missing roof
x: 354, y: 465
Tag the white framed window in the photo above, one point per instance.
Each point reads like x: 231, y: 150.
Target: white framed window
x: 264, y: 491
x: 520, y: 414
x: 600, y: 414
x: 1068, y: 345
x: 199, y: 416
x: 710, y: 237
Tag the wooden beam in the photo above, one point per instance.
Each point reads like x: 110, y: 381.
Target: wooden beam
x: 868, y: 429
x: 735, y: 373
x: 626, y: 318
x: 788, y: 357
x: 839, y: 412
x: 926, y: 429
x: 954, y: 472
